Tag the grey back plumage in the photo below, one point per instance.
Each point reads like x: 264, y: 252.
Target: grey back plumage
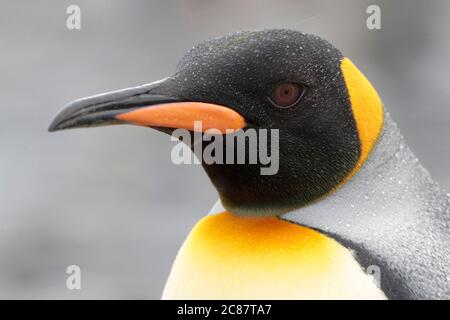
x: 392, y: 215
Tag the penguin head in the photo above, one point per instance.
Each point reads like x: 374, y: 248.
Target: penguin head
x: 286, y: 85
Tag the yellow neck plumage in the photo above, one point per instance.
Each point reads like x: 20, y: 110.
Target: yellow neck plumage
x: 231, y: 257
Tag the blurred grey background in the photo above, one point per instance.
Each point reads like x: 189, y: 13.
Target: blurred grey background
x: 110, y: 200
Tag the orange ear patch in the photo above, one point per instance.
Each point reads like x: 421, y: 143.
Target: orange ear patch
x: 367, y: 110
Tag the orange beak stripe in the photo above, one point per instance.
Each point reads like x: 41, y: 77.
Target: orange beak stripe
x: 184, y: 114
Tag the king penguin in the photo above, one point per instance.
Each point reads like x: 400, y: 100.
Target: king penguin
x: 350, y: 213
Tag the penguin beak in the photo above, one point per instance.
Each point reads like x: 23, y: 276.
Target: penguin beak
x: 139, y: 106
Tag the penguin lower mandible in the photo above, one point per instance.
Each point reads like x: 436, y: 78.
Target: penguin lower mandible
x: 348, y: 197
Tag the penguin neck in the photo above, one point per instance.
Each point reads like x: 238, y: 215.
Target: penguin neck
x: 380, y: 168
x: 380, y: 213
x: 381, y: 174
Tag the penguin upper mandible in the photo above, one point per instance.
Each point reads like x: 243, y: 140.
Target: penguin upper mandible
x: 350, y: 213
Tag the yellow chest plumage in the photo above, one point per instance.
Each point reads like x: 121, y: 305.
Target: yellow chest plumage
x: 231, y: 257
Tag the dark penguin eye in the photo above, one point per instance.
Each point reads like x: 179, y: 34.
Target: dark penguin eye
x: 287, y: 94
